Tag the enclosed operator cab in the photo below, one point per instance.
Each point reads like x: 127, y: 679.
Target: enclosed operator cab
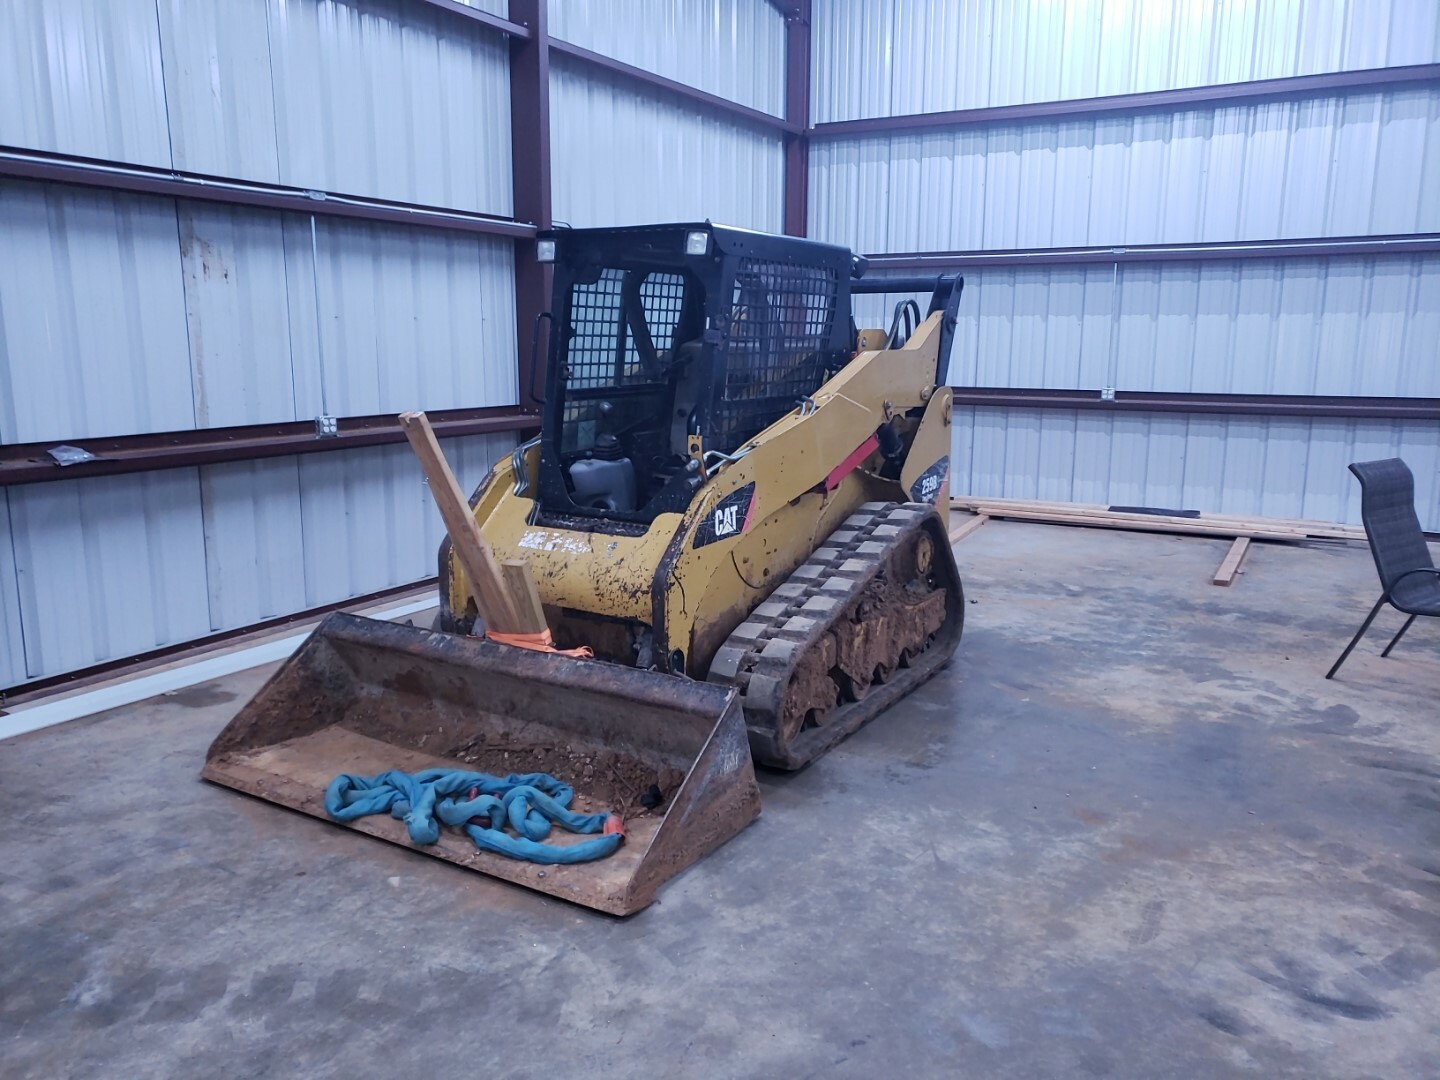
x: 670, y: 347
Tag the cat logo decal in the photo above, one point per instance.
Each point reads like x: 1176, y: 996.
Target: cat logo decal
x: 730, y: 517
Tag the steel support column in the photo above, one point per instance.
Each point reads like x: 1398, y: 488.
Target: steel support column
x: 530, y: 170
x: 797, y: 112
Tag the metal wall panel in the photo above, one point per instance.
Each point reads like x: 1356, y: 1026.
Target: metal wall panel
x: 391, y: 99
x: 1351, y: 326
x: 409, y: 318
x: 1339, y: 166
x: 620, y: 156
x: 125, y: 314
x: 218, y: 90
x: 1278, y: 467
x: 368, y: 97
x: 890, y: 57
x: 1345, y: 165
x: 238, y: 315
x: 288, y: 534
x: 370, y: 522
x: 92, y: 315
x: 734, y: 49
x: 100, y: 569
x: 494, y: 7
x: 116, y: 318
x: 255, y: 569
x: 83, y: 77
x: 1298, y: 326
x: 108, y: 567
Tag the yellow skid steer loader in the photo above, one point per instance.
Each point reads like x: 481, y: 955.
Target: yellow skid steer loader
x: 735, y: 500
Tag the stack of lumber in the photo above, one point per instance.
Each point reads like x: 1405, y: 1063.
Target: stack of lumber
x: 1256, y: 528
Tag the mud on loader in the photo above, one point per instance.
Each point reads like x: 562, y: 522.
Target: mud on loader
x: 735, y: 500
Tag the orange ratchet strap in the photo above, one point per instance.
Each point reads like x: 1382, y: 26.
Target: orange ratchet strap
x: 541, y: 642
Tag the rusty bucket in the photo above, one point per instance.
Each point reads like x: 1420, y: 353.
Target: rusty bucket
x: 362, y: 696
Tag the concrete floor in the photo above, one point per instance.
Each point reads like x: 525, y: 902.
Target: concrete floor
x: 1130, y: 831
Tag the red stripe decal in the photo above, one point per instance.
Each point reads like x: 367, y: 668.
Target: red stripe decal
x: 846, y: 467
x: 749, y: 510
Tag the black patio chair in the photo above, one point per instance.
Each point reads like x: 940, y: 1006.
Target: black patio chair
x: 1407, y: 572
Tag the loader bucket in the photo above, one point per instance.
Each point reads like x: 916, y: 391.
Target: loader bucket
x: 362, y: 696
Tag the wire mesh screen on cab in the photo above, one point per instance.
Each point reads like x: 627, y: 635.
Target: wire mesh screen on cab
x: 776, y: 347
x: 603, y: 354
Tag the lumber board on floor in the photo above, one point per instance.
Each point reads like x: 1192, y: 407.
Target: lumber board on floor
x: 1063, y: 511
x: 1206, y: 524
x: 1230, y: 565
x: 1139, y: 523
x: 1142, y: 521
x: 965, y: 528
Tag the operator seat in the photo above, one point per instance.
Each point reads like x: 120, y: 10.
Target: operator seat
x: 690, y: 384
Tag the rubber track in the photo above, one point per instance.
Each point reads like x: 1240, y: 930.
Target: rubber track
x: 763, y: 651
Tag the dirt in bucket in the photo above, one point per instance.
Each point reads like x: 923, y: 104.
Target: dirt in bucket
x: 603, y: 779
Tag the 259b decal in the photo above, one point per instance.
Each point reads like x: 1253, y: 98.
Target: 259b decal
x: 927, y: 485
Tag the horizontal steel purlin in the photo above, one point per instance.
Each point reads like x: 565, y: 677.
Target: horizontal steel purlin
x: 21, y: 164
x: 1279, y: 405
x: 521, y: 29
x: 494, y: 22
x: 1236, y: 93
x: 1299, y: 247
x: 30, y: 463
x: 677, y: 89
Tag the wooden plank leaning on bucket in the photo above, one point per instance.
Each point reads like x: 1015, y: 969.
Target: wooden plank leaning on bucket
x: 490, y: 584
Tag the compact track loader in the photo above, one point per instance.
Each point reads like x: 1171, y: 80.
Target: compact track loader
x: 735, y: 500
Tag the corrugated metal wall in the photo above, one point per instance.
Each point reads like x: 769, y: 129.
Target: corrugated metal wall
x: 124, y: 314
x: 383, y: 98
x: 1334, y: 166
x: 1363, y: 163
x: 1293, y: 468
x: 623, y: 154
x: 91, y: 570
x: 889, y: 57
x: 1342, y: 326
x: 734, y: 49
x: 84, y: 77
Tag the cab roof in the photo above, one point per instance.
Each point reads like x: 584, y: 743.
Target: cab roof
x: 728, y: 239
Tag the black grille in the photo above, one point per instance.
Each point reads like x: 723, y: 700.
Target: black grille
x: 594, y: 333
x: 776, y: 347
x: 661, y: 296
x: 602, y: 354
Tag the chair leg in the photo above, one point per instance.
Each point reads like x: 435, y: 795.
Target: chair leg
x: 1396, y: 639
x: 1358, y: 635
